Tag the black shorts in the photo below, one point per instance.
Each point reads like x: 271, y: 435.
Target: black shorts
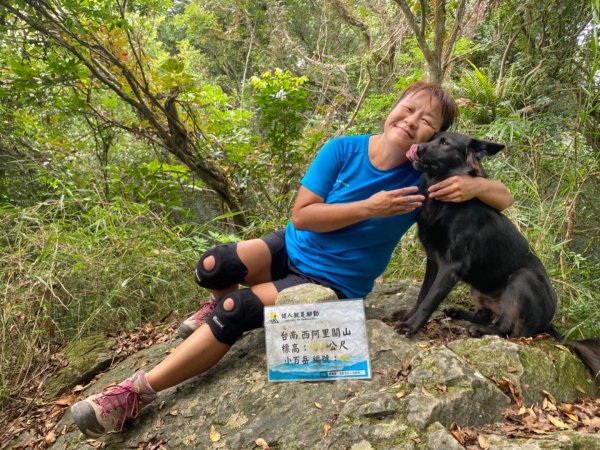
x: 283, y: 273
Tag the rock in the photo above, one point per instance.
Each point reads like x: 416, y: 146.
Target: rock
x: 439, y: 438
x: 417, y: 390
x: 86, y: 358
x: 446, y: 389
x: 553, y: 441
x: 305, y: 293
x: 388, y: 297
x: 375, y: 405
x: 541, y: 365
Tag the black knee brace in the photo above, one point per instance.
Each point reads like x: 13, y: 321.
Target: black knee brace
x: 228, y: 271
x: 247, y: 314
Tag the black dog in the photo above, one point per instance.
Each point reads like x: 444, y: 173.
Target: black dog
x: 474, y: 243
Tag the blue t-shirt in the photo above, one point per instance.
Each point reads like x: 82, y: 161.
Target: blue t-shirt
x: 351, y: 258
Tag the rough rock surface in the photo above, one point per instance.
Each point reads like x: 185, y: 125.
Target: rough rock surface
x: 85, y: 359
x: 305, y: 293
x: 419, y: 387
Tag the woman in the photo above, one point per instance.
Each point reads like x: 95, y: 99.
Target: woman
x: 356, y: 201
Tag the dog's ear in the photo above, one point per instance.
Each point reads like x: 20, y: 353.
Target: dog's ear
x: 485, y: 148
x: 476, y: 168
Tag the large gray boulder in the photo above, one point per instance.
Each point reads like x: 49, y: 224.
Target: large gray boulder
x: 418, y: 389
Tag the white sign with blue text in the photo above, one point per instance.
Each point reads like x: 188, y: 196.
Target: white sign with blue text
x: 317, y: 341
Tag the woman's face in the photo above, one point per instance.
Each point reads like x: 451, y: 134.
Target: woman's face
x: 413, y: 120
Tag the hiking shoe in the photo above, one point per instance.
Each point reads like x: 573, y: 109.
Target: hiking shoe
x: 193, y: 322
x: 107, y: 411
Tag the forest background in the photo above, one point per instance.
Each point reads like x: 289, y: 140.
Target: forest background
x: 134, y: 135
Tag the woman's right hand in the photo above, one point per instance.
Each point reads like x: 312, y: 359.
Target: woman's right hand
x: 398, y: 201
x: 311, y: 213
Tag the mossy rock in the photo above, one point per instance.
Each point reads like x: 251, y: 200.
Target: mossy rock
x: 86, y: 358
x: 536, y: 367
x: 446, y: 389
x: 552, y: 367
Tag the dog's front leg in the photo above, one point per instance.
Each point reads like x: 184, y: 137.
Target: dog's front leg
x: 445, y: 280
x: 431, y: 270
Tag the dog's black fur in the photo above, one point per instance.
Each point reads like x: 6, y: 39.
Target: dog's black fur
x: 474, y: 243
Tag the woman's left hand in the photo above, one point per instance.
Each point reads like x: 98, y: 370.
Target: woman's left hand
x: 459, y: 188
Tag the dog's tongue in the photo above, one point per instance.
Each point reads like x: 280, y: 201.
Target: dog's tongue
x: 411, y: 154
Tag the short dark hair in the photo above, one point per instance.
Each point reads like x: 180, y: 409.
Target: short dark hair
x: 449, y: 107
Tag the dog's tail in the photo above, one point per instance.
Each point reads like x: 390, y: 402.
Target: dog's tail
x: 588, y: 350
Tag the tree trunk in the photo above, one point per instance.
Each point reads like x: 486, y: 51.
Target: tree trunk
x: 131, y: 84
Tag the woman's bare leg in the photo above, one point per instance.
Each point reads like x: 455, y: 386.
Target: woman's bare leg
x: 97, y: 414
x: 201, y: 350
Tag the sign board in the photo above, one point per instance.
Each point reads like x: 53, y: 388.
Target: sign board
x: 317, y: 341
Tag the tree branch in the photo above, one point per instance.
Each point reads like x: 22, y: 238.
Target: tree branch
x: 352, y: 20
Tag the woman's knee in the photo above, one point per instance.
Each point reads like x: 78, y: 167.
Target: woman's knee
x: 220, y: 267
x: 236, y: 313
x: 209, y: 263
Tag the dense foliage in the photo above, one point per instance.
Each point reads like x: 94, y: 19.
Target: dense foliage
x: 136, y: 134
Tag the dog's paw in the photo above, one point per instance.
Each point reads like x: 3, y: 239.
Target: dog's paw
x: 402, y: 315
x: 404, y: 328
x: 400, y: 327
x: 475, y: 331
x: 453, y: 313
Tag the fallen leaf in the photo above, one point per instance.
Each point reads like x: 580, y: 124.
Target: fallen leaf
x: 325, y: 432
x: 566, y: 407
x: 511, y: 369
x: 214, y: 434
x: 484, y: 443
x: 530, y: 421
x: 401, y: 394
x: 56, y: 413
x: 441, y: 387
x: 549, y: 396
x: 50, y: 438
x: 318, y: 405
x: 423, y: 345
x: 426, y: 392
x: 510, y: 388
x: 595, y: 422
x: 457, y: 433
x: 260, y: 442
x: 573, y: 417
x: 65, y: 401
x: 558, y: 423
x: 173, y: 413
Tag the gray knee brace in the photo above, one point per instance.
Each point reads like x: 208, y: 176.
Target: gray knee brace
x: 247, y: 314
x: 229, y: 269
